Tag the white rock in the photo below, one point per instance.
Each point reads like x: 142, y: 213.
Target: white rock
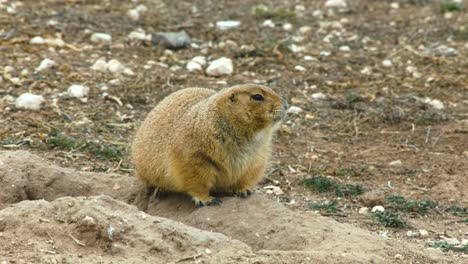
x: 101, y: 38
x: 296, y: 49
x: 55, y: 42
x: 52, y: 23
x: 437, y: 104
x: 423, y: 233
x: 223, y: 25
x: 24, y: 72
x: 287, y: 27
x: 345, y: 48
x: 378, y: 208
x: 395, y: 163
x: 29, y: 101
x: 411, y: 234
x: 193, y: 66
x: 294, y: 110
x: 100, y: 65
x: 395, y: 5
x: 452, y: 240
x: 325, y: 53
x: 305, y: 29
x: 464, y: 242
x: 8, y: 69
x: 274, y: 189
x: 133, y: 14
x: 399, y: 257
x: 88, y: 221
x: 199, y: 59
x: 309, y: 58
x: 387, y: 63
x: 366, y: 70
x: 141, y: 8
x: 128, y: 72
x: 318, y: 96
x: 114, y: 66
x: 78, y: 91
x: 336, y: 3
x: 363, y: 210
x: 268, y: 23
x: 139, y: 35
x: 45, y: 65
x: 221, y: 66
x: 299, y: 68
x: 37, y: 41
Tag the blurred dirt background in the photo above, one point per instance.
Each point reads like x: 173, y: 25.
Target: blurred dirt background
x: 379, y: 91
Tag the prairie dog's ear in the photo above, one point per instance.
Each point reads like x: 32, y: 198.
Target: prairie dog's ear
x: 233, y: 97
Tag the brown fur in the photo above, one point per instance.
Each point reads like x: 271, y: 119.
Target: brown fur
x: 197, y: 141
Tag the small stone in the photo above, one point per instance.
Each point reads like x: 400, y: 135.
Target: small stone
x: 171, y: 40
x: 45, y: 65
x: 305, y: 29
x: 141, y: 8
x: 294, y: 110
x: 24, y: 72
x: 200, y: 60
x: 102, y: 38
x: 464, y: 242
x: 395, y: 5
x: 228, y: 24
x: 363, y: 210
x: 133, y: 14
x: 387, y: 63
x: 299, y: 68
x: 423, y: 233
x: 139, y: 35
x: 274, y: 189
x: 128, y: 72
x: 193, y: 66
x: 268, y: 23
x: 29, y: 101
x: 78, y: 91
x: 411, y: 234
x: 37, y: 41
x: 395, y: 163
x: 296, y: 49
x: 309, y: 58
x: 437, y: 104
x: 452, y: 240
x: 366, y: 70
x: 399, y: 257
x: 345, y: 48
x: 378, y: 208
x: 318, y: 96
x: 325, y: 53
x: 88, y: 221
x: 114, y: 66
x: 287, y: 27
x: 219, y: 67
x: 100, y: 65
x: 441, y: 50
x: 336, y: 4
x: 55, y: 42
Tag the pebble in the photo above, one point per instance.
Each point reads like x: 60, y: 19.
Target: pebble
x: 464, y: 242
x: 441, y: 50
x: 274, y: 189
x: 378, y: 208
x: 287, y: 27
x: 387, y: 63
x: 268, y: 23
x: 135, y: 13
x: 411, y: 234
x: 45, y: 65
x: 395, y: 163
x: 29, y: 101
x: 37, y: 40
x: 88, y: 221
x: 423, y: 233
x: 435, y: 103
x: 336, y: 3
x: 299, y: 68
x: 395, y: 5
x: 318, y: 96
x: 78, y: 91
x: 228, y: 24
x: 199, y: 59
x: 296, y: 49
x: 100, y: 65
x: 366, y: 70
x: 309, y: 58
x: 325, y: 53
x: 219, y: 67
x: 345, y: 48
x: 102, y: 38
x: 305, y: 29
x: 294, y: 110
x: 114, y: 66
x: 171, y: 40
x: 399, y: 257
x: 363, y: 210
x: 193, y: 66
x: 451, y: 240
x: 139, y: 35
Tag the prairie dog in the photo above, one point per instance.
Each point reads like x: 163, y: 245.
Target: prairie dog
x: 198, y: 141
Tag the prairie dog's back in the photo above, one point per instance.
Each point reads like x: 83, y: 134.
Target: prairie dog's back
x: 153, y: 137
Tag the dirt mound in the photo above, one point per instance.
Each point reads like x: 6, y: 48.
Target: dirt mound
x: 101, y: 228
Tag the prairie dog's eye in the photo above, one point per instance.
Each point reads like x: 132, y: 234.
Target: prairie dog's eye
x: 257, y: 97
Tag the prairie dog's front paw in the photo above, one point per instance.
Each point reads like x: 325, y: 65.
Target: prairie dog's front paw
x: 243, y: 193
x: 207, y: 202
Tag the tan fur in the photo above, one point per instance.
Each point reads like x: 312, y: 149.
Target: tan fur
x: 198, y: 140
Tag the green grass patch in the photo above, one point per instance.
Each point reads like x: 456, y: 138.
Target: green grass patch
x: 100, y: 150
x: 323, y: 184
x: 353, y: 171
x: 448, y: 247
x: 327, y: 206
x: 400, y: 203
x: 458, y: 210
x: 451, y: 6
x: 389, y: 219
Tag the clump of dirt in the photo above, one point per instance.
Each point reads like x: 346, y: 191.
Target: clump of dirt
x: 100, y: 227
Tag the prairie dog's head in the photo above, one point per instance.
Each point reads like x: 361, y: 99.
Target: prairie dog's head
x: 254, y: 107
